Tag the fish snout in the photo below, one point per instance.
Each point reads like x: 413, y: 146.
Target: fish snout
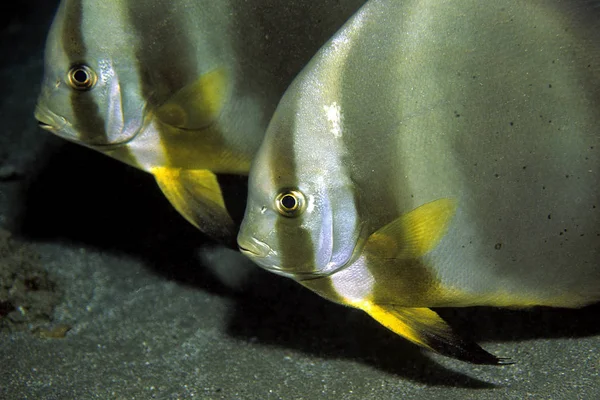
x: 49, y: 121
x: 254, y: 248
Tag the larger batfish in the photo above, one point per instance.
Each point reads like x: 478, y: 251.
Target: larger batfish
x: 438, y: 153
x: 183, y: 89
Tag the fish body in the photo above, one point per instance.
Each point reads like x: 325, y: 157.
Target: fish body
x: 182, y: 89
x: 437, y: 154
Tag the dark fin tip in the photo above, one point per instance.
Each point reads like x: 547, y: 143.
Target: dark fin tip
x: 464, y: 350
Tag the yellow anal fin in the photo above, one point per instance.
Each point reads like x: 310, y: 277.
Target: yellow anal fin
x: 197, y: 196
x: 413, y: 234
x: 198, y: 104
x: 426, y: 328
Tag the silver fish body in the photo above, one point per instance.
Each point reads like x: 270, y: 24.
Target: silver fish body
x: 438, y: 154
x: 182, y: 89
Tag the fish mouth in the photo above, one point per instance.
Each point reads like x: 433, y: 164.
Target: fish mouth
x: 46, y: 126
x: 54, y: 123
x: 262, y: 254
x: 250, y: 253
x: 255, y: 248
x: 49, y: 121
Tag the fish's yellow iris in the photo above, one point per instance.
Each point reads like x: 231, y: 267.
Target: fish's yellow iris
x: 81, y: 77
x: 290, y: 203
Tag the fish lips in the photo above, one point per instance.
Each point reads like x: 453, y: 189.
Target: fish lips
x: 254, y: 248
x: 49, y: 121
x: 262, y: 254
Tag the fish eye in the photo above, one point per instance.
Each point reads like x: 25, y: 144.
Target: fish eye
x: 81, y: 77
x: 290, y: 203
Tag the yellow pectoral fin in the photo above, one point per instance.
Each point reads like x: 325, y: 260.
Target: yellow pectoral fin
x: 198, y: 104
x: 413, y: 234
x: 426, y: 328
x: 197, y: 196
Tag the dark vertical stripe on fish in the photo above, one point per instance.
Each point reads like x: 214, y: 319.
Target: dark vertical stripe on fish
x: 88, y: 118
x: 167, y: 62
x: 301, y: 240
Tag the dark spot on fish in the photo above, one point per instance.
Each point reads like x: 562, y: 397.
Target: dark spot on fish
x: 553, y: 61
x: 497, y: 175
x: 474, y: 76
x: 560, y: 233
x: 549, y: 216
x: 549, y: 121
x: 498, y: 246
x: 524, y: 166
x: 582, y: 235
x: 567, y: 176
x: 550, y: 86
x: 511, y: 123
x: 543, y: 187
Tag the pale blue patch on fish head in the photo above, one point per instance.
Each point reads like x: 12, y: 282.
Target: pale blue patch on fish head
x: 90, y: 92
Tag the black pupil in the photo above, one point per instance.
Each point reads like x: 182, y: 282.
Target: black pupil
x: 80, y: 76
x: 288, y: 201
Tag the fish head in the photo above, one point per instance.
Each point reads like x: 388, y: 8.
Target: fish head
x: 90, y: 93
x: 301, y: 216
